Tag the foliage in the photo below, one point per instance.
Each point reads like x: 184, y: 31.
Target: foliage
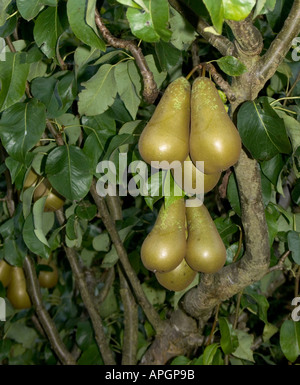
x: 60, y: 72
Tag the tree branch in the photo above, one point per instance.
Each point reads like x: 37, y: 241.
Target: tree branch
x: 48, y: 324
x: 221, y: 43
x: 200, y: 302
x: 109, y: 223
x: 88, y: 300
x: 131, y: 322
x: 281, y: 45
x: 150, y: 92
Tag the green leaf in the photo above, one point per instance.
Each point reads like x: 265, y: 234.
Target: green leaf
x: 209, y: 353
x: 169, y: 57
x: 67, y: 169
x: 91, y: 356
x: 216, y: 11
x: 154, y: 296
x: 32, y: 241
x: 129, y: 3
x: 150, y: 23
x: 264, y: 6
x: 101, y: 242
x: 77, y: 15
x: 128, y: 86
x: 271, y: 168
x: 21, y: 127
x: 237, y: 9
x: 86, y: 211
x: 159, y: 77
x: 290, y: 339
x: 71, y: 125
x: 15, y: 251
x: 47, y: 30
x: 244, y: 350
x: 229, y: 341
x: 262, y: 133
x: 29, y: 8
x: 231, y: 66
x: 294, y: 245
x: 57, y: 93
x: 180, y: 360
x: 3, y: 15
x: 233, y: 194
x: 183, y: 34
x: 99, y: 93
x: 38, y: 211
x: 13, y: 75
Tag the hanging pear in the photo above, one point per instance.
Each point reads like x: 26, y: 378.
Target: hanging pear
x: 191, y: 180
x: 165, y: 246
x: 206, y: 251
x: 214, y: 138
x: 16, y: 291
x: 166, y: 136
x: 178, y: 279
x: 5, y: 273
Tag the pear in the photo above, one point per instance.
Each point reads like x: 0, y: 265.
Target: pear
x: 165, y: 246
x: 166, y: 136
x: 54, y: 200
x: 16, y: 291
x: 5, y: 273
x: 178, y: 279
x: 191, y: 178
x: 214, y: 138
x: 206, y: 251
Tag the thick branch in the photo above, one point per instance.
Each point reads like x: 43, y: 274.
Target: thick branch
x: 88, y: 300
x: 200, y: 302
x: 249, y: 40
x: 221, y: 43
x: 281, y: 45
x: 48, y: 324
x: 131, y: 322
x: 150, y: 92
x: 109, y: 223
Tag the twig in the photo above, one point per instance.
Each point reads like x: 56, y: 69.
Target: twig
x: 48, y: 324
x: 297, y: 278
x: 281, y: 44
x: 224, y: 184
x: 280, y: 264
x: 292, y: 89
x: 150, y: 92
x: 109, y: 280
x: 209, y: 339
x: 88, y: 300
x: 131, y: 322
x: 109, y: 223
x: 221, y: 43
x: 222, y: 83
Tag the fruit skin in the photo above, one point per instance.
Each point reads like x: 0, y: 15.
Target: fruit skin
x: 5, y: 273
x: 206, y: 251
x: 16, y: 291
x: 214, y: 138
x: 192, y: 174
x: 178, y: 279
x: 48, y: 279
x: 165, y: 246
x: 31, y: 179
x: 165, y: 137
x: 54, y: 201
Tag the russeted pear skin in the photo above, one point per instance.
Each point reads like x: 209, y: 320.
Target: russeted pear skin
x: 5, y: 273
x: 192, y: 179
x: 178, y: 279
x: 16, y: 291
x: 164, y: 247
x: 214, y: 138
x: 206, y: 251
x: 166, y: 136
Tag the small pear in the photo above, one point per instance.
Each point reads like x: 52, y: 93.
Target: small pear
x: 206, y: 251
x: 166, y: 136
x: 165, y: 246
x: 214, y: 138
x: 178, y: 279
x: 191, y: 179
x: 16, y: 291
x: 5, y: 273
x: 54, y: 200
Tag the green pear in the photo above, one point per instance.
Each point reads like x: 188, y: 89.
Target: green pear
x: 165, y: 246
x: 166, y: 136
x: 206, y: 251
x: 214, y: 138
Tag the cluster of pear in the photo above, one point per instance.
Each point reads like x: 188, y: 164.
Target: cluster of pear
x: 190, y: 124
x: 43, y: 188
x: 183, y: 241
x: 13, y: 278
